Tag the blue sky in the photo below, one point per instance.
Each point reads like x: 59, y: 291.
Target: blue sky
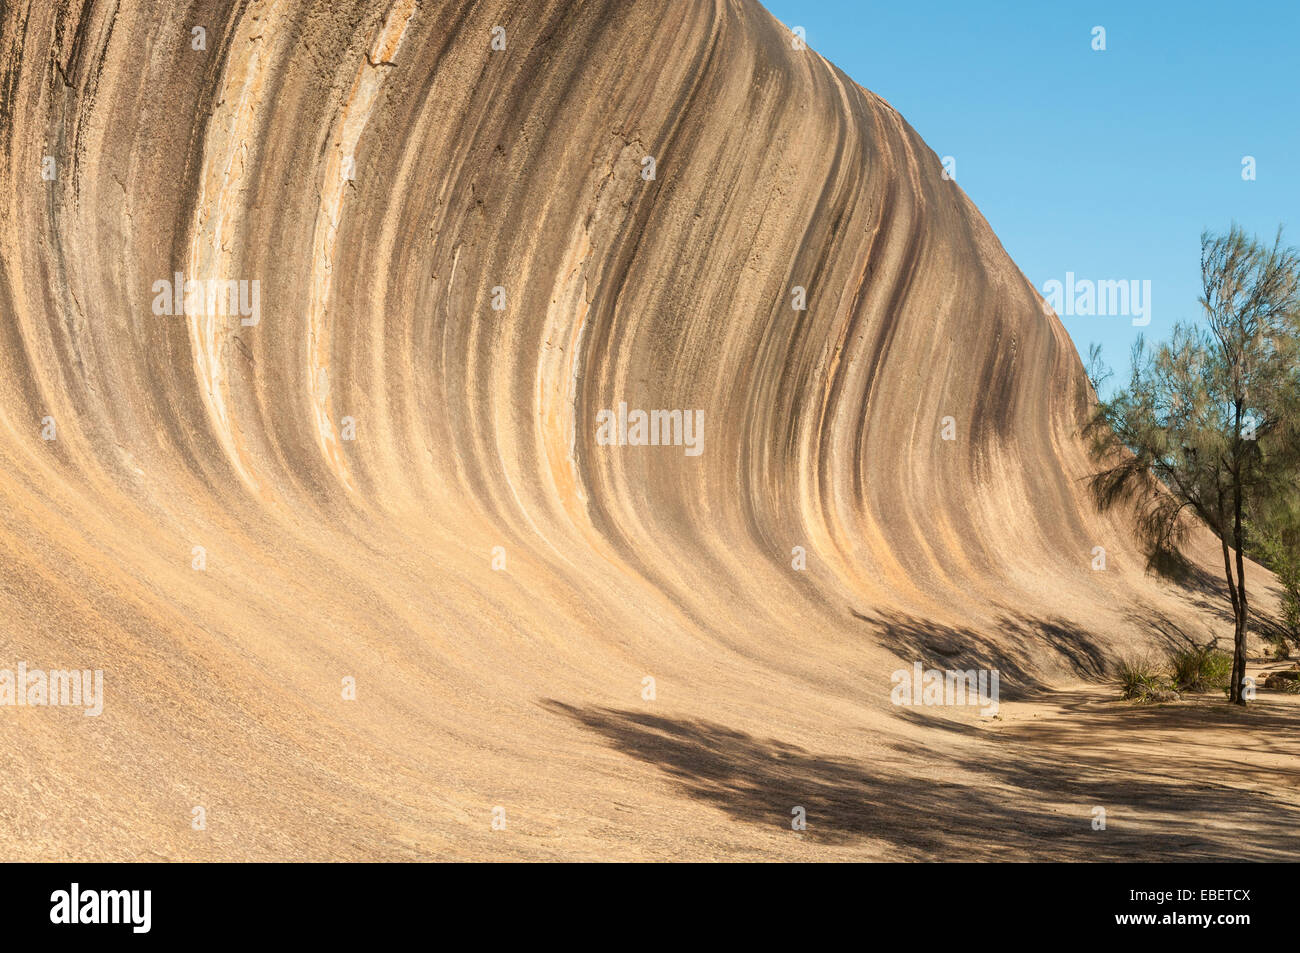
x: 1107, y: 164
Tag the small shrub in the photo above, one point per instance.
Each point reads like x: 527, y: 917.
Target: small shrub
x: 1142, y: 679
x: 1200, y: 669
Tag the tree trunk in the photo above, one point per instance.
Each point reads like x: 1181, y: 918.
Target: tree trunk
x: 1236, y: 695
x: 1227, y: 573
x: 1238, y: 666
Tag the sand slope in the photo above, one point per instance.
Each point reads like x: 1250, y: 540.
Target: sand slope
x: 380, y: 170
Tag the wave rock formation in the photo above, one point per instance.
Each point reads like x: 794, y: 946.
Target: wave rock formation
x: 391, y: 455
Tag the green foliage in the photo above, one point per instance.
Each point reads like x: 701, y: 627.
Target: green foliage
x: 1200, y: 669
x: 1143, y: 679
x: 1212, y: 410
x: 1277, y: 532
x: 1209, y: 423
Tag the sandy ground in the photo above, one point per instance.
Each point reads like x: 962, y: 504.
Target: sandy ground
x: 1071, y: 775
x: 1189, y: 780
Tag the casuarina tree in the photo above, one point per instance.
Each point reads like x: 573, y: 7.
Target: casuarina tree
x: 1207, y: 421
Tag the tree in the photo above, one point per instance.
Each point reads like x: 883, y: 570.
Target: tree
x: 1207, y: 422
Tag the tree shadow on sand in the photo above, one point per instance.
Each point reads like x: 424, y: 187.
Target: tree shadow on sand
x: 1026, y: 800
x: 1015, y: 648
